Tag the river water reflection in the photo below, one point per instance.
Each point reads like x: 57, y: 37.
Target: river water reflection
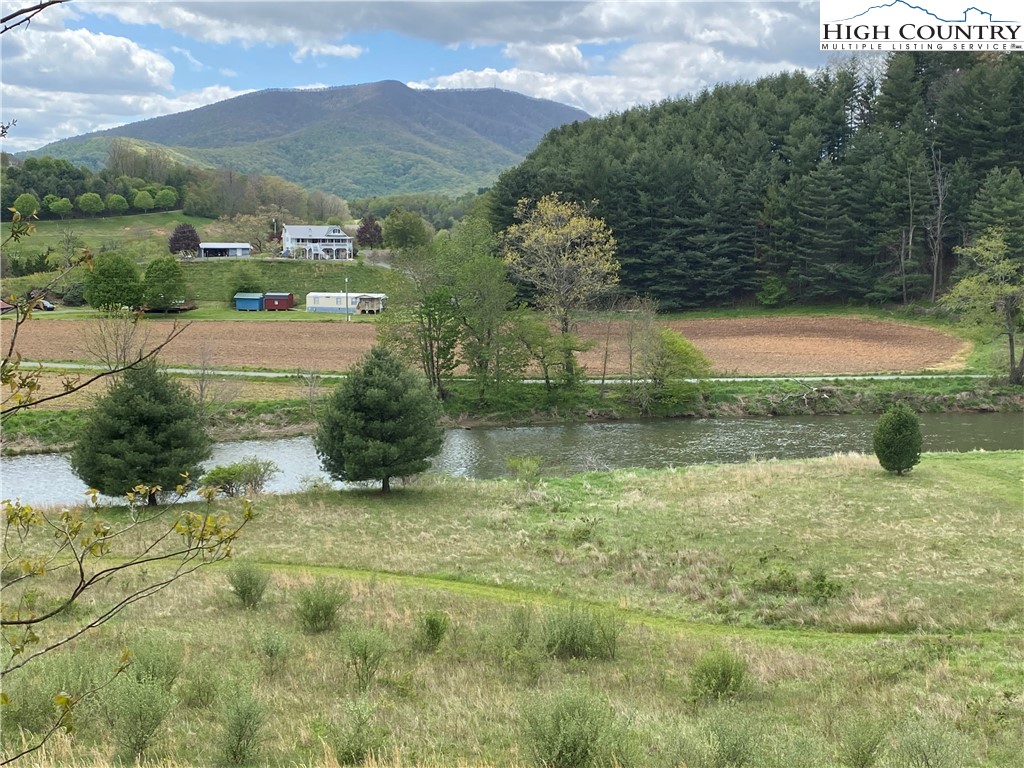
x: 570, y: 448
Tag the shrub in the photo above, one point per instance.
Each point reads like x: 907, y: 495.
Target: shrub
x: 74, y: 295
x: 248, y: 477
x: 525, y: 469
x: 365, y: 650
x: 718, y: 674
x: 897, y: 439
x: 431, y: 630
x: 926, y: 743
x: 580, y: 633
x: 243, y: 735
x: 199, y: 691
x: 862, y: 743
x: 573, y: 729
x: 317, y: 607
x: 135, y: 710
x: 273, y: 647
x: 248, y: 581
x: 156, y: 658
x: 358, y: 736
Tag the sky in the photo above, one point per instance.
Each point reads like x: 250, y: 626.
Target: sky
x: 87, y: 65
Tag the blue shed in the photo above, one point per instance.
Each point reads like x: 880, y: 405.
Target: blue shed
x: 249, y: 302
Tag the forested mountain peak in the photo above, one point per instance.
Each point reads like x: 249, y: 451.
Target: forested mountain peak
x: 355, y: 141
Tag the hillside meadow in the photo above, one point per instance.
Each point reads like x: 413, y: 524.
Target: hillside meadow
x: 808, y: 613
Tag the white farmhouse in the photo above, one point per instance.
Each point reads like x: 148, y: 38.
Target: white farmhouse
x: 301, y: 241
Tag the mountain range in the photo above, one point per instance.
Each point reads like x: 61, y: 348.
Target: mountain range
x: 353, y: 141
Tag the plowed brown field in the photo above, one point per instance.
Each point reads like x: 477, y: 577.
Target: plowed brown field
x: 759, y: 346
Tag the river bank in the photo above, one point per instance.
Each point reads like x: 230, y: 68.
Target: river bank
x: 55, y: 431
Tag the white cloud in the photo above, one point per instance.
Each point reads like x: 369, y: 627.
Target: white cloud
x: 557, y: 57
x: 79, y: 60
x: 45, y: 115
x: 338, y: 51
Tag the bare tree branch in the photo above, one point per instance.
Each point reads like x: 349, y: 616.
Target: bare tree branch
x: 25, y: 15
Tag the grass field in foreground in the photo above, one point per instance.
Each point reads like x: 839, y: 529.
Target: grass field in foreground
x: 864, y: 609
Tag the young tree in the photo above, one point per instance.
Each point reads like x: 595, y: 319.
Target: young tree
x: 380, y: 423
x: 146, y: 430
x: 565, y: 255
x: 164, y: 284
x: 143, y: 201
x: 61, y: 207
x: 90, y: 203
x: 993, y: 297
x: 113, y: 282
x: 897, y: 439
x: 166, y: 198
x: 184, y: 238
x: 26, y: 204
x: 370, y: 234
x: 405, y: 229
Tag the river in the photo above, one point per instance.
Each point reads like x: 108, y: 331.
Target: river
x: 47, y: 479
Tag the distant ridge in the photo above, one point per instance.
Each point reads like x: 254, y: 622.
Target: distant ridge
x: 354, y: 141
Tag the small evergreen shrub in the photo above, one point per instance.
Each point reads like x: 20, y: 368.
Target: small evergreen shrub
x: 573, y: 729
x: 897, y: 439
x: 365, y: 650
x: 244, y: 723
x: 317, y: 607
x: 431, y: 630
x: 718, y: 674
x: 248, y: 581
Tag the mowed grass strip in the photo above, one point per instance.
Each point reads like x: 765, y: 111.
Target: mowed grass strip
x: 833, y: 543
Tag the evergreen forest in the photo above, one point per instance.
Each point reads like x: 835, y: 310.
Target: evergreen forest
x: 855, y: 183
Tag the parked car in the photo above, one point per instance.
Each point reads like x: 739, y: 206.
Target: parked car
x: 47, y: 306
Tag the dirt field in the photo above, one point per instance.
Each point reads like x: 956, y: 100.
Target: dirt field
x: 760, y: 346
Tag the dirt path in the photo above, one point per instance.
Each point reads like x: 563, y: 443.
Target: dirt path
x: 760, y: 346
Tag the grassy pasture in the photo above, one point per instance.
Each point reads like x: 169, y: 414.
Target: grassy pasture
x: 918, y: 643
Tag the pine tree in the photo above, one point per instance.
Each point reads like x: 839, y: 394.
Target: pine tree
x: 146, y: 430
x: 897, y: 439
x: 380, y: 423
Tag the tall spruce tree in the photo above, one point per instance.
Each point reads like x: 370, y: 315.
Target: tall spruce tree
x: 146, y: 430
x: 381, y: 422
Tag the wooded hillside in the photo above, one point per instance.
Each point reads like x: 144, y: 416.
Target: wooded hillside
x: 855, y: 183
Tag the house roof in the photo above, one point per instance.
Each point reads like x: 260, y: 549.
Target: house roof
x: 5, y: 307
x: 276, y: 295
x: 225, y: 245
x: 314, y: 232
x: 248, y: 295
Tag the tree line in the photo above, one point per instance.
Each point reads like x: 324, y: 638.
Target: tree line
x: 856, y: 183
x: 140, y: 180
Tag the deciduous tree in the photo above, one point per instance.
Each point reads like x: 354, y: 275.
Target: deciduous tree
x: 113, y: 282
x: 381, y: 422
x: 164, y: 285
x: 565, y: 255
x: 184, y: 238
x: 993, y: 297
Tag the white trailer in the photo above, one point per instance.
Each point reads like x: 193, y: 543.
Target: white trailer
x: 346, y: 303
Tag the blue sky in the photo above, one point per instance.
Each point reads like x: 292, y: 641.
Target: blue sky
x: 92, y: 64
